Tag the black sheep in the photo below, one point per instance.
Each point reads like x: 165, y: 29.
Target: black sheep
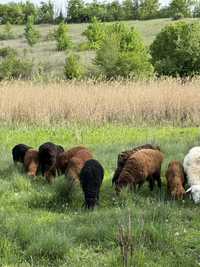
x: 91, y: 178
x: 47, y: 159
x: 18, y: 152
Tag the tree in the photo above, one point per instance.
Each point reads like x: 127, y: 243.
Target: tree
x: 31, y: 34
x: 123, y: 54
x: 148, y: 9
x: 73, y: 69
x: 128, y: 8
x: 46, y: 12
x: 62, y: 38
x: 180, y: 8
x: 75, y: 11
x: 176, y: 50
x: 95, y: 33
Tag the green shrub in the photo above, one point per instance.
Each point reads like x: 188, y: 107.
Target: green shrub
x: 7, y: 51
x: 7, y: 33
x: 73, y: 69
x: 123, y: 54
x: 31, y: 34
x: 95, y: 33
x: 12, y: 67
x: 62, y: 37
x: 176, y: 50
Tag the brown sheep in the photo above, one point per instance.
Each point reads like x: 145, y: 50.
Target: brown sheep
x: 64, y: 157
x: 143, y: 165
x: 124, y: 155
x: 76, y: 164
x: 175, y: 179
x: 31, y: 162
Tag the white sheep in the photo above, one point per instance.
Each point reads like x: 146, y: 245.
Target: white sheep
x: 191, y: 166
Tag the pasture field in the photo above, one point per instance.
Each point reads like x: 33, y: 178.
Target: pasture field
x: 45, y: 54
x: 43, y: 225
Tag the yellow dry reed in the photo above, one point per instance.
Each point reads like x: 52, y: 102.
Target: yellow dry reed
x: 159, y: 102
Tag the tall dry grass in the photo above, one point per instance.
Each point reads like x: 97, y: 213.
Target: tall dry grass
x: 139, y: 103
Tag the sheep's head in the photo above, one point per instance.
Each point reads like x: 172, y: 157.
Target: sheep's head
x: 194, y: 190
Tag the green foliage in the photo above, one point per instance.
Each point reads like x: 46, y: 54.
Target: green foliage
x: 7, y: 51
x: 75, y: 11
x: 95, y: 33
x: 62, y: 37
x: 12, y: 67
x: 180, y: 9
x: 123, y: 54
x: 176, y: 50
x: 149, y: 9
x: 73, y: 68
x: 31, y: 34
x: 7, y: 33
x: 46, y: 12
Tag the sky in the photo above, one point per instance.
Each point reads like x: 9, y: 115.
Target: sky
x: 61, y: 3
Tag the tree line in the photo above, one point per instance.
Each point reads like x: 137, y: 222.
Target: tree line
x: 78, y: 11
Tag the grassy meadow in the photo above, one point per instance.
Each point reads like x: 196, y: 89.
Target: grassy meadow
x: 43, y: 225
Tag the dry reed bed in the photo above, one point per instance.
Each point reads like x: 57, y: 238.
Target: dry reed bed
x: 156, y: 102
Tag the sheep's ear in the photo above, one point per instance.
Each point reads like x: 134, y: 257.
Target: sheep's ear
x: 189, y: 190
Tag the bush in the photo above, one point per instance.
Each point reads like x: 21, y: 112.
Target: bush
x: 62, y: 38
x: 123, y: 54
x: 31, y: 34
x: 12, y: 67
x: 95, y: 33
x: 7, y: 33
x: 7, y: 51
x: 176, y: 50
x: 73, y: 68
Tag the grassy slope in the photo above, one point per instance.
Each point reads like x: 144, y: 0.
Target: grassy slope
x: 44, y: 225
x: 45, y: 51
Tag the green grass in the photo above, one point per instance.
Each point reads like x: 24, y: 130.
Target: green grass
x: 45, y: 53
x: 42, y: 225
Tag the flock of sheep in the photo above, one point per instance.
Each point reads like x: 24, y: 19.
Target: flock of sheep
x: 134, y: 167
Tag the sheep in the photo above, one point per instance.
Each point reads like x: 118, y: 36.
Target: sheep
x: 18, y: 152
x: 76, y: 163
x: 64, y: 157
x: 143, y: 165
x: 48, y: 153
x: 176, y: 179
x: 124, y: 155
x: 31, y: 162
x: 91, y: 177
x: 191, y: 166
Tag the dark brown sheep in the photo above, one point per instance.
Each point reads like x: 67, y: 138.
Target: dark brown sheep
x: 31, y: 162
x: 143, y: 165
x: 64, y: 157
x: 175, y: 179
x: 76, y: 164
x: 124, y: 155
x: 48, y: 153
x: 18, y: 152
x: 91, y: 177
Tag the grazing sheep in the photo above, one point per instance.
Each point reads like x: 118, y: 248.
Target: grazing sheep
x: 143, y: 165
x: 48, y: 153
x: 191, y: 166
x: 91, y: 177
x: 64, y: 157
x: 76, y: 163
x: 175, y: 176
x: 123, y: 156
x: 18, y: 152
x: 31, y: 162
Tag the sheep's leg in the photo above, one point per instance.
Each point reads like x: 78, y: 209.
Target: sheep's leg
x: 151, y: 183
x: 157, y: 178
